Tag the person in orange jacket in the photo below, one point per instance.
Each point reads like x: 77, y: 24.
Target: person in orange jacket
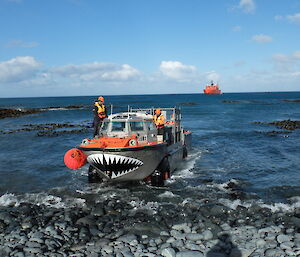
x: 159, y: 120
x: 99, y: 114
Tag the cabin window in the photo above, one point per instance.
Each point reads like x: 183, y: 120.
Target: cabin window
x: 151, y: 125
x: 137, y: 126
x: 118, y: 126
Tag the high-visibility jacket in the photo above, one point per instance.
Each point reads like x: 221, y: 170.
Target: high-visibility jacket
x: 100, y: 109
x: 159, y: 120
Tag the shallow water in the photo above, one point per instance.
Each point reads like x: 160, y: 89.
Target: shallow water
x: 226, y: 146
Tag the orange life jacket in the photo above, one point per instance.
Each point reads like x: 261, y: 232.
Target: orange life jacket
x: 100, y: 110
x: 159, y: 120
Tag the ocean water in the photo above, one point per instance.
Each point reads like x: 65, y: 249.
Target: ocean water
x: 228, y: 149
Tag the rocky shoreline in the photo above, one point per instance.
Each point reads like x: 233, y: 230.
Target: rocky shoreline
x: 114, y: 227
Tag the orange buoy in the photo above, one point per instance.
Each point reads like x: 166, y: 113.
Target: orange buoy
x: 74, y: 158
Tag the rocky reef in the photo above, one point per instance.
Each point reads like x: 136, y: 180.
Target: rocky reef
x: 52, y: 129
x: 283, y: 124
x: 12, y: 113
x: 17, y: 112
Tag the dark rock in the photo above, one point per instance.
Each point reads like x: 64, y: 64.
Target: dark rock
x: 231, y: 101
x: 188, y: 103
x: 292, y: 101
x: 12, y: 113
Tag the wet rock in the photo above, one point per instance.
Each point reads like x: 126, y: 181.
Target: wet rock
x: 274, y: 253
x: 283, y: 238
x: 13, y: 113
x: 168, y: 252
x: 231, y: 101
x: 188, y: 103
x: 283, y: 124
x: 127, y: 238
x: 292, y: 101
x: 207, y: 235
x: 194, y: 236
x: 182, y: 227
x: 189, y: 254
x: 260, y: 243
x: 98, y: 210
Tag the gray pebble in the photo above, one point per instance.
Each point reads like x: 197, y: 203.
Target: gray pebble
x: 189, y: 254
x: 127, y: 254
x: 182, y: 227
x: 260, y: 243
x: 290, y: 253
x: 287, y: 245
x: 168, y: 252
x: 194, y: 236
x: 273, y: 253
x: 207, y: 235
x: 127, y: 238
x: 283, y: 238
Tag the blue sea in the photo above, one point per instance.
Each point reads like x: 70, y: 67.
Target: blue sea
x: 229, y: 148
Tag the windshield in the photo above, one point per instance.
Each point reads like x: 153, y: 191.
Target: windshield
x: 118, y: 126
x: 137, y: 126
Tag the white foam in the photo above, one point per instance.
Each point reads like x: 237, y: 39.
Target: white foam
x: 234, y: 204
x: 283, y: 207
x: 8, y: 200
x: 222, y: 186
x: 274, y: 207
x: 167, y: 194
x: 141, y: 205
x: 40, y: 199
x: 185, y: 170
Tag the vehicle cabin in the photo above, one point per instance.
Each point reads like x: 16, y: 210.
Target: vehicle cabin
x: 140, y: 122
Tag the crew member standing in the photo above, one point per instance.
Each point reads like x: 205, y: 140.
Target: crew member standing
x: 99, y: 114
x: 159, y: 120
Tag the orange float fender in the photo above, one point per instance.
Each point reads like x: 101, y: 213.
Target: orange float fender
x: 74, y: 158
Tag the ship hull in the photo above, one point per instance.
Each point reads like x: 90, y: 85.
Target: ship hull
x: 212, y: 92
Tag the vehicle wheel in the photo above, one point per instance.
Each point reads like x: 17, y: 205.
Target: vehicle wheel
x: 157, y: 179
x: 185, y: 153
x: 93, y: 176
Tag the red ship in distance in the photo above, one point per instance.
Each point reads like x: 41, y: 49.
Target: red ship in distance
x: 212, y: 89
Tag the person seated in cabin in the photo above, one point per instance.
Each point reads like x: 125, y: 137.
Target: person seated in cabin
x: 159, y: 120
x: 99, y: 114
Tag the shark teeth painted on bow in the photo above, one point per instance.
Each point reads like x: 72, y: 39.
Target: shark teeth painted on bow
x: 112, y: 165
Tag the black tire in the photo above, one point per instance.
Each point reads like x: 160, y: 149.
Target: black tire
x: 93, y: 176
x: 157, y: 179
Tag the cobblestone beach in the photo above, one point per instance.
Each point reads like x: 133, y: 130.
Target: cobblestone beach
x: 116, y: 228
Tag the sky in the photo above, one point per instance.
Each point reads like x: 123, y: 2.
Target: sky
x: 117, y: 47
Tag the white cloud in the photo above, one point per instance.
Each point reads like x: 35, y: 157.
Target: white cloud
x: 212, y: 76
x: 237, y: 28
x: 86, y: 79
x: 177, y: 71
x: 295, y: 18
x: 286, y: 63
x: 261, y: 38
x: 98, y: 71
x: 247, y: 6
x: 18, y: 69
x: 21, y: 44
x: 296, y: 55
